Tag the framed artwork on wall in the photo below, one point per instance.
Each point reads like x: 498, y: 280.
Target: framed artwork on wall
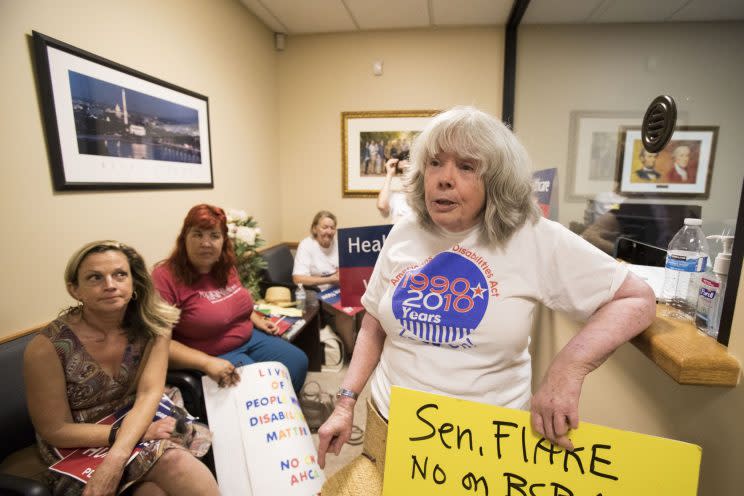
x: 111, y: 127
x: 682, y: 169
x: 592, y: 151
x: 369, y: 139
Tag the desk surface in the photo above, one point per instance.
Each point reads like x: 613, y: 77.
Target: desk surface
x: 686, y: 354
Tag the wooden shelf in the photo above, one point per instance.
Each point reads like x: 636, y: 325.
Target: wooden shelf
x: 686, y: 354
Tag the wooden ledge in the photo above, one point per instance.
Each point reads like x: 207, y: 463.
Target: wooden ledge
x: 686, y: 354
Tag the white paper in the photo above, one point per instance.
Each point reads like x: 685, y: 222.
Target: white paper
x: 654, y: 276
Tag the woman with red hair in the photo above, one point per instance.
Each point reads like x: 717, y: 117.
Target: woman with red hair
x: 218, y: 329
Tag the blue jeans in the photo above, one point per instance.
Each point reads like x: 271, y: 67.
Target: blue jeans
x: 264, y: 348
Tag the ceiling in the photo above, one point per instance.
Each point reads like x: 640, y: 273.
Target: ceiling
x: 331, y: 16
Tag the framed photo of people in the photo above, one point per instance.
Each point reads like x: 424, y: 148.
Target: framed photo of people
x: 369, y: 140
x: 111, y: 127
x: 682, y: 169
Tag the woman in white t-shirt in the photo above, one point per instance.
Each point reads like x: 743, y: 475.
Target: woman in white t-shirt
x: 316, y: 260
x: 316, y: 264
x: 451, y: 301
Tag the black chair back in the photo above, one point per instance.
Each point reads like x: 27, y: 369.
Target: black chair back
x: 15, y: 424
x: 279, y: 265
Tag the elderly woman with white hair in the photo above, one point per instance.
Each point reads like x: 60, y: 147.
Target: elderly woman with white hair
x: 451, y: 301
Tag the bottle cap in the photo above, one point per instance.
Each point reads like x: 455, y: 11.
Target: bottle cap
x: 722, y: 263
x: 690, y: 221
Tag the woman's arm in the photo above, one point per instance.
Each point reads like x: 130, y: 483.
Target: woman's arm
x: 306, y: 280
x: 367, y: 350
x: 383, y: 199
x: 46, y: 396
x: 555, y: 405
x: 150, y: 388
x: 220, y: 370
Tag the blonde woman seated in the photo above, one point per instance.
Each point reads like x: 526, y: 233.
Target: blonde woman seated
x: 316, y: 264
x: 108, y: 353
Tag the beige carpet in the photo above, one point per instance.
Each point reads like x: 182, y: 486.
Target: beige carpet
x: 330, y: 382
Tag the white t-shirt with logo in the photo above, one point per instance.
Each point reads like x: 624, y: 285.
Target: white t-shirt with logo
x: 458, y: 313
x: 312, y: 259
x: 399, y: 207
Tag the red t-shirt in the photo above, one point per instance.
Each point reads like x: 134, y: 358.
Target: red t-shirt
x: 214, y: 319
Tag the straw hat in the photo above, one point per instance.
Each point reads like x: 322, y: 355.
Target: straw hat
x: 278, y: 295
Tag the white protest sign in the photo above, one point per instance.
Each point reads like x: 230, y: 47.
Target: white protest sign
x: 262, y: 444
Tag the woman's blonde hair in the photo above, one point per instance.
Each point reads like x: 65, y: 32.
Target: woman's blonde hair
x: 323, y: 214
x: 147, y: 315
x: 503, y: 165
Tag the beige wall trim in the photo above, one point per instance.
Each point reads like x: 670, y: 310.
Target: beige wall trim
x: 19, y: 334
x: 291, y: 244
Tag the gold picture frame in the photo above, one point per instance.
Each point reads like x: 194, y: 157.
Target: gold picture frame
x: 368, y: 140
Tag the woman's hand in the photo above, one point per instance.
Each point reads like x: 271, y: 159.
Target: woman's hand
x: 266, y: 325
x: 222, y: 372
x: 334, y: 279
x: 105, y: 480
x: 335, y: 431
x: 555, y: 405
x: 160, y: 429
x: 390, y: 166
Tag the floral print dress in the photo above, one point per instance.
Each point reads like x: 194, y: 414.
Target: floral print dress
x: 93, y: 394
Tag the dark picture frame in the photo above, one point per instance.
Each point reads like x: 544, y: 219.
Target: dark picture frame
x: 683, y: 169
x: 111, y: 127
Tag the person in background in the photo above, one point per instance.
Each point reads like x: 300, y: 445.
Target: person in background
x: 218, y: 329
x: 648, y: 170
x: 106, y: 354
x: 480, y: 256
x: 393, y: 203
x: 316, y: 264
x: 680, y: 171
x: 316, y: 260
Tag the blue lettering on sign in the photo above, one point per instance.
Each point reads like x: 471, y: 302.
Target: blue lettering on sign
x: 442, y: 302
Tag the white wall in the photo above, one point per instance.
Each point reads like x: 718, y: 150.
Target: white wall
x: 215, y: 48
x: 321, y: 76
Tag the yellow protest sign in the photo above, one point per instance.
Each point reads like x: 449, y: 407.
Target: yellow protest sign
x: 441, y: 445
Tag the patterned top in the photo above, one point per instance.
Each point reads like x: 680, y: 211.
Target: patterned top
x: 93, y: 394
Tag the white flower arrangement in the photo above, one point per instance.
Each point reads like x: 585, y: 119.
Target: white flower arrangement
x: 245, y: 234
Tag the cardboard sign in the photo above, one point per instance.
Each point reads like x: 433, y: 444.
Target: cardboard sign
x: 545, y: 189
x: 442, y: 445
x: 262, y: 444
x: 358, y: 248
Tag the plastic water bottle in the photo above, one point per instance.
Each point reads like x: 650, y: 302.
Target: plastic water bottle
x: 300, y: 297
x: 687, y: 258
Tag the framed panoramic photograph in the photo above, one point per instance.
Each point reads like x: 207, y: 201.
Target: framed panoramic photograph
x: 682, y: 169
x: 592, y: 151
x: 111, y: 127
x: 369, y: 139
